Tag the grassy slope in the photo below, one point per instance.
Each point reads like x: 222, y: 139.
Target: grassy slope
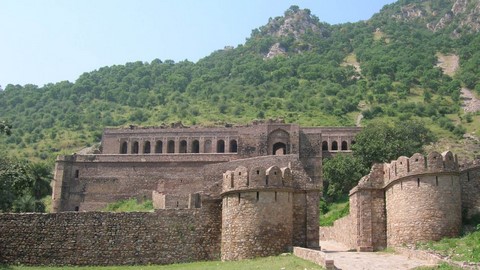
x: 466, y: 248
x: 287, y: 262
x: 336, y: 211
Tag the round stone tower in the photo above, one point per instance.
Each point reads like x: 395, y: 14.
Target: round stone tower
x: 257, y: 212
x: 423, y: 198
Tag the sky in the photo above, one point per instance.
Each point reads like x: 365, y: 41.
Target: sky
x: 49, y: 41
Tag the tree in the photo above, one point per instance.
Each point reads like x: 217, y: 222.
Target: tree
x: 382, y: 141
x: 23, y: 185
x: 41, y: 175
x: 5, y: 128
x: 341, y: 173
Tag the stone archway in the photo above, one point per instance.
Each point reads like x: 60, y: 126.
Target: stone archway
x: 278, y: 142
x: 279, y: 149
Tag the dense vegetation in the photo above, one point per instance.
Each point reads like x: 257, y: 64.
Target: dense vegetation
x: 23, y: 185
x: 313, y: 82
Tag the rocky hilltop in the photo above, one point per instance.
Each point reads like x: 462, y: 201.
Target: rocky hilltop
x: 454, y: 16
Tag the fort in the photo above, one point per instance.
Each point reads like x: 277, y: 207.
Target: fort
x: 232, y: 193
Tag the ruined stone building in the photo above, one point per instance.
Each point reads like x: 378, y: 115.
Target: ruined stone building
x: 232, y: 193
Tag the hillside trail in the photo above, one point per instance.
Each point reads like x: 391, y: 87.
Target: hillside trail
x: 346, y: 260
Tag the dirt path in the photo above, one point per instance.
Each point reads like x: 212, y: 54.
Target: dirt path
x: 345, y: 260
x: 470, y: 102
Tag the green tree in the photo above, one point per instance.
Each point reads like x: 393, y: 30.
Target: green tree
x: 41, y: 176
x: 340, y: 174
x: 382, y: 141
x: 5, y: 128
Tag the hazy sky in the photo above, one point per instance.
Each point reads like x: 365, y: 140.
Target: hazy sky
x: 45, y: 41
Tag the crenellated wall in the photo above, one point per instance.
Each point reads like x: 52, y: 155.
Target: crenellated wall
x: 411, y: 199
x: 257, y: 212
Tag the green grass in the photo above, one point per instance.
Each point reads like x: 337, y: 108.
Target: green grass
x: 130, y: 205
x: 335, y: 211
x: 466, y: 248
x: 286, y: 262
x: 443, y: 266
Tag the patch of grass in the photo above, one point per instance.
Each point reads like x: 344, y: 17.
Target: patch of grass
x: 334, y: 211
x: 287, y: 262
x: 130, y: 205
x: 443, y: 266
x: 466, y: 248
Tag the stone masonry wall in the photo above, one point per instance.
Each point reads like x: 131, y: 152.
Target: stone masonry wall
x: 470, y: 181
x: 409, y: 200
x: 97, y: 238
x: 423, y: 208
x: 88, y: 183
x: 256, y: 224
x: 343, y: 231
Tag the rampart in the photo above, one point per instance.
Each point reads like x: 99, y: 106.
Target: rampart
x: 98, y: 238
x: 407, y: 201
x: 257, y: 212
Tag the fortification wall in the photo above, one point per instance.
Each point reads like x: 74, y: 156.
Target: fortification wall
x: 423, y: 198
x: 423, y: 208
x: 95, y: 238
x: 470, y: 182
x: 257, y: 212
x: 256, y: 224
x: 409, y: 200
x: 343, y: 231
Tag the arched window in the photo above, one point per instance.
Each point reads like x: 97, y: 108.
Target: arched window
x: 344, y: 145
x: 220, y: 146
x: 183, y: 146
x: 279, y: 149
x: 324, y: 146
x: 135, y: 148
x: 171, y: 147
x: 147, y: 148
x: 208, y: 146
x: 124, y: 148
x: 159, y: 147
x: 334, y: 146
x: 233, y: 146
x: 195, y: 146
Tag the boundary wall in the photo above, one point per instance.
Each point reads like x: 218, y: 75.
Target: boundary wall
x: 409, y: 200
x: 98, y: 238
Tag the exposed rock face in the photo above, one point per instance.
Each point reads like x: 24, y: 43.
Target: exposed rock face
x: 290, y: 29
x: 464, y: 13
x: 275, y: 50
x: 460, y: 9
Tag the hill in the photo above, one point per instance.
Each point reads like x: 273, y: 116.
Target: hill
x: 295, y: 67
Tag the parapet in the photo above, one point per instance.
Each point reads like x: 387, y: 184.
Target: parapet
x: 257, y: 178
x: 434, y: 162
x: 381, y: 175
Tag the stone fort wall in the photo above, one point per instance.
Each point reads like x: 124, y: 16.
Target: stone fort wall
x: 97, y: 238
x: 409, y: 200
x: 257, y: 212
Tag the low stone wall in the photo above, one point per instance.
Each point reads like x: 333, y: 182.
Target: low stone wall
x: 315, y: 256
x: 343, y: 231
x: 96, y: 238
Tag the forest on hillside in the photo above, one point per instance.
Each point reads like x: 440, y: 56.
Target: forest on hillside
x: 325, y: 75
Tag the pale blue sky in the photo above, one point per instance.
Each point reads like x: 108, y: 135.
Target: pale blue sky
x: 53, y: 40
